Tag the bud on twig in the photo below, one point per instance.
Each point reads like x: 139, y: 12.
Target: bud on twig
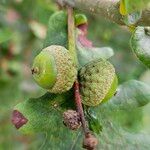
x: 90, y: 142
x: 71, y: 119
x: 18, y: 119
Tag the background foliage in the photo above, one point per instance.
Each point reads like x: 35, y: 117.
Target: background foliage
x: 23, y: 24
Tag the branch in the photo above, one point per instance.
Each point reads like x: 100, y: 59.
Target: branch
x: 71, y: 34
x: 107, y: 8
x: 71, y: 47
x: 79, y: 107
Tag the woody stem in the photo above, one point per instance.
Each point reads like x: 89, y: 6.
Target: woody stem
x: 72, y: 49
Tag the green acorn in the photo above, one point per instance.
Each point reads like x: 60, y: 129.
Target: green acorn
x: 98, y: 82
x: 54, y: 69
x: 140, y: 42
x: 80, y: 19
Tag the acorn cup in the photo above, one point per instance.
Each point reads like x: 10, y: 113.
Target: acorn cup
x: 54, y: 69
x: 98, y: 82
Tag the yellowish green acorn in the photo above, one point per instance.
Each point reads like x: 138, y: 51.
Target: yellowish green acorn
x: 54, y: 69
x: 80, y: 19
x: 98, y: 82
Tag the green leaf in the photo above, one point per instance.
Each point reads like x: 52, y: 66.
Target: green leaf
x: 57, y: 30
x: 130, y: 95
x: 45, y: 114
x: 93, y: 121
x: 86, y: 55
x: 62, y: 138
x: 132, y: 18
x: 130, y: 6
x: 5, y: 35
x: 140, y: 43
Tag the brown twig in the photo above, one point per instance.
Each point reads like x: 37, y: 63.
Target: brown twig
x: 79, y: 106
x: 71, y: 47
x: 59, y: 6
x: 108, y: 9
x: 90, y: 140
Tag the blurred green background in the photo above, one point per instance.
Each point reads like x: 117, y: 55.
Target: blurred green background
x: 23, y: 25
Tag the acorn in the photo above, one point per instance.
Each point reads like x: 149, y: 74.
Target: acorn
x: 140, y: 43
x: 54, y: 69
x: 98, y: 82
x: 80, y: 19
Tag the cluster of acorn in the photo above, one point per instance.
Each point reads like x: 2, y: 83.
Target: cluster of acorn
x: 54, y: 69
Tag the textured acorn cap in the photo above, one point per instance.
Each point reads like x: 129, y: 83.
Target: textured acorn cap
x: 56, y: 70
x: 98, y: 82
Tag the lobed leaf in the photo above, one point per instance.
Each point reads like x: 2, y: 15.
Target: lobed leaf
x: 130, y: 95
x: 140, y: 43
x: 5, y: 35
x: 130, y: 6
x: 44, y: 114
x: 57, y: 30
x: 86, y: 55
